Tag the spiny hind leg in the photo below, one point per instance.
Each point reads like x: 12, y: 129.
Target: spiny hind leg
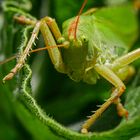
x: 23, y: 56
x: 50, y: 30
x: 54, y: 53
x: 109, y: 75
x: 124, y: 72
x: 125, y: 60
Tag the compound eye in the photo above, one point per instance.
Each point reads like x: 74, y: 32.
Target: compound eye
x: 84, y: 39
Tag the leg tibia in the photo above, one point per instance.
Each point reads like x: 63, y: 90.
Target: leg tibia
x: 25, y: 53
x: 109, y: 75
x: 55, y: 31
x: 53, y: 27
x: 115, y: 95
x: 54, y: 53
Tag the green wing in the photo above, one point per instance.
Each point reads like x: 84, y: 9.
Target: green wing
x: 122, y: 20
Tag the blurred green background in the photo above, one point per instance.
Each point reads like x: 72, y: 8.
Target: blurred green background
x: 62, y: 99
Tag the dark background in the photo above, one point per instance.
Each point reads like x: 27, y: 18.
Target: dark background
x: 64, y: 100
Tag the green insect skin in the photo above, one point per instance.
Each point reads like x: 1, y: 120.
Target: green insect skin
x: 98, y: 41
x: 103, y: 39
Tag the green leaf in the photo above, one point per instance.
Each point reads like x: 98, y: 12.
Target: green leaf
x: 23, y: 116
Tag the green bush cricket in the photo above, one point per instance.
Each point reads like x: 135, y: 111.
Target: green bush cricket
x: 93, y: 44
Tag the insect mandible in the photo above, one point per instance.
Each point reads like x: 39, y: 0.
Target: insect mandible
x: 93, y: 45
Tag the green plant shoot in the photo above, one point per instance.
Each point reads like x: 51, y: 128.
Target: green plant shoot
x: 92, y: 45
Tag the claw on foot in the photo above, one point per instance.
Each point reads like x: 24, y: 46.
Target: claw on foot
x: 8, y: 77
x: 122, y: 111
x: 84, y: 131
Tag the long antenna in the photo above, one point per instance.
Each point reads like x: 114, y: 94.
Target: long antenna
x: 48, y: 47
x: 36, y: 50
x: 78, y: 17
x: 8, y: 59
x: 74, y: 24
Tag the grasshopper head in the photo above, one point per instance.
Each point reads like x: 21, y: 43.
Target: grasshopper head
x: 76, y: 35
x: 73, y: 28
x: 79, y: 41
